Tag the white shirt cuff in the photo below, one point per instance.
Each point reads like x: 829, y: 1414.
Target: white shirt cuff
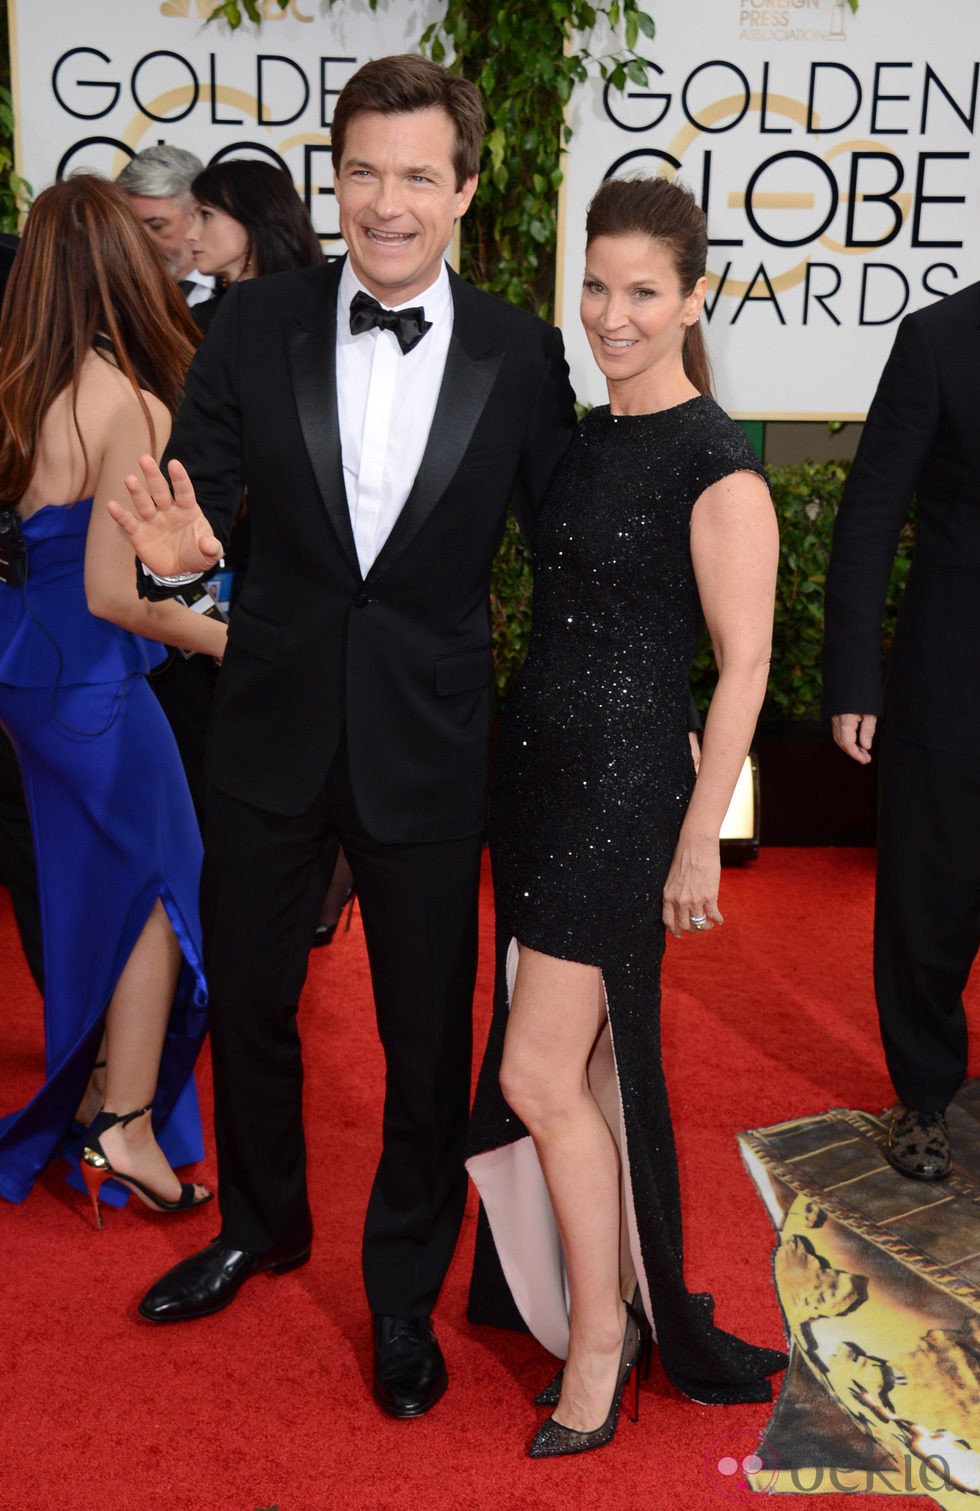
x: 179, y: 580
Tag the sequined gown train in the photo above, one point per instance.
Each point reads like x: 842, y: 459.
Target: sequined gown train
x: 591, y: 782
x: 113, y: 830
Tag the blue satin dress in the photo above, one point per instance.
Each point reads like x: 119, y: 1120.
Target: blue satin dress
x: 114, y: 829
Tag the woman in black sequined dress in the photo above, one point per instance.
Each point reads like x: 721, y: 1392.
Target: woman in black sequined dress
x: 602, y: 835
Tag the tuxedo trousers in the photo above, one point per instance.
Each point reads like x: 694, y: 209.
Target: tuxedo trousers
x: 927, y: 915
x: 418, y: 904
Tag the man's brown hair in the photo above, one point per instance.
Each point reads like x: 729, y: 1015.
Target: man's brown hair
x: 405, y: 83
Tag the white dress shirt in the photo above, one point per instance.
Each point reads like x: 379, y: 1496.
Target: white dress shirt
x: 203, y: 287
x: 386, y: 399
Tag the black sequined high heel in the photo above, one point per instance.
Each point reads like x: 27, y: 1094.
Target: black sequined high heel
x: 555, y: 1440
x: 96, y: 1169
x: 550, y: 1394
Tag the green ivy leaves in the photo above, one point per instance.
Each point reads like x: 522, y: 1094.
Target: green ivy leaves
x: 231, y: 11
x: 15, y: 192
x: 526, y: 61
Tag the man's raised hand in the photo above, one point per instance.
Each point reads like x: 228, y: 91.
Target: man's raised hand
x: 167, y: 529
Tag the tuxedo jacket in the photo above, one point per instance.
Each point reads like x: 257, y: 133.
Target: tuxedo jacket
x: 922, y: 437
x: 399, y: 661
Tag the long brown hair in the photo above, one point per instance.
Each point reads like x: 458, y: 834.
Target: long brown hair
x: 667, y: 212
x: 84, y: 269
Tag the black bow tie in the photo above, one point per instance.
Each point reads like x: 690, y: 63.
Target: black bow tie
x: 409, y: 326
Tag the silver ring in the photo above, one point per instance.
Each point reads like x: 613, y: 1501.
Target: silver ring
x: 699, y: 920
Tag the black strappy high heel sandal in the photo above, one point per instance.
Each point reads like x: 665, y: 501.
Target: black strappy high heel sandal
x: 96, y: 1169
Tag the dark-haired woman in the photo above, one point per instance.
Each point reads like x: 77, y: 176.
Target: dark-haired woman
x: 603, y: 836
x: 249, y: 221
x: 82, y: 392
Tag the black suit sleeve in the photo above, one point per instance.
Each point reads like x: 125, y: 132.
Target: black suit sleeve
x: 207, y: 435
x: 900, y: 429
x: 546, y: 437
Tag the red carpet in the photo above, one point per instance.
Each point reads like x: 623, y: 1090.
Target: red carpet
x: 267, y: 1404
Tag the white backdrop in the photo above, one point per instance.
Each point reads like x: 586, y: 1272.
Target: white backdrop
x: 96, y: 80
x: 836, y: 156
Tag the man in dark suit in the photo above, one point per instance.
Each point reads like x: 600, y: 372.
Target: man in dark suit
x: 922, y: 437
x: 158, y: 181
x: 381, y: 413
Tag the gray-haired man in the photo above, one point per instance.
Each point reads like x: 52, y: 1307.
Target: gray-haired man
x: 158, y: 181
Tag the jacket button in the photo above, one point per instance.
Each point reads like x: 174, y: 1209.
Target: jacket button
x: 361, y: 601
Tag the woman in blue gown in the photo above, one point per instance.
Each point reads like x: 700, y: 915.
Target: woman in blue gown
x: 94, y: 342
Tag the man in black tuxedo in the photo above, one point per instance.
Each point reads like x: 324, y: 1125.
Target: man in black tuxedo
x: 922, y: 437
x: 381, y: 413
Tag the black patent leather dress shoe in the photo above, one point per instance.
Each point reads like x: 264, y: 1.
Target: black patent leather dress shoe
x: 409, y: 1370
x: 212, y: 1278
x: 918, y: 1144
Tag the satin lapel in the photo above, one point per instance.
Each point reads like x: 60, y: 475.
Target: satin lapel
x: 471, y: 370
x: 311, y: 344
